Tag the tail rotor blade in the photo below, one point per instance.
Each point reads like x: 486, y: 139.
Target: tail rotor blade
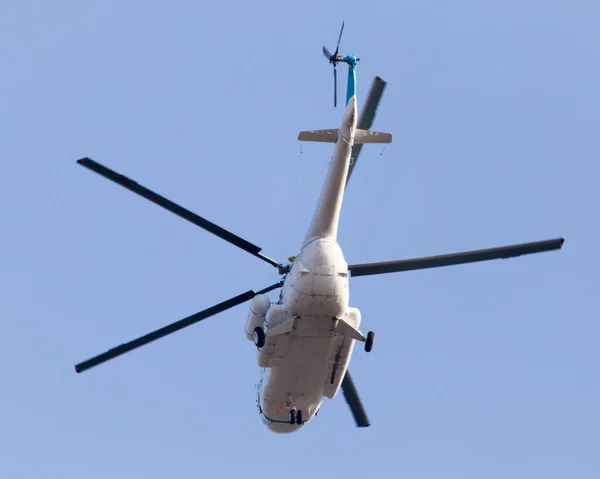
x: 327, y: 53
x: 334, y: 87
x: 337, y: 48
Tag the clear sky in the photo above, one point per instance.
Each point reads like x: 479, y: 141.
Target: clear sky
x: 478, y: 371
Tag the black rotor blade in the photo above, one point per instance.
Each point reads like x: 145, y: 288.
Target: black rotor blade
x: 337, y: 48
x: 171, y: 328
x: 453, y: 259
x: 334, y: 87
x: 372, y: 102
x: 327, y: 53
x: 367, y: 116
x: 175, y: 208
x: 351, y: 395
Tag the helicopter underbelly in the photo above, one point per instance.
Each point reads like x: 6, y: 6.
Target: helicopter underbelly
x: 296, y: 382
x: 311, y: 364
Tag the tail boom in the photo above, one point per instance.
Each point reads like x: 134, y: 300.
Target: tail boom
x: 325, y: 220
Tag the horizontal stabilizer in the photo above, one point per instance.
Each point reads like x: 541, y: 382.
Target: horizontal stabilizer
x: 324, y: 136
x: 367, y: 136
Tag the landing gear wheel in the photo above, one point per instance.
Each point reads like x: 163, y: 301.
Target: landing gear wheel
x: 369, y: 341
x: 259, y: 337
x: 299, y: 417
x: 293, y: 416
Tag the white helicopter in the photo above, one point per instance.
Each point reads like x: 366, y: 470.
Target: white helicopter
x: 306, y: 338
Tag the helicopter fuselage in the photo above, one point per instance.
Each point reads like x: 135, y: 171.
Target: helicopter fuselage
x: 306, y: 363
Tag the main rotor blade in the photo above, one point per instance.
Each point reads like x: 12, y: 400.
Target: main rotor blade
x: 175, y: 208
x: 458, y: 258
x: 351, y: 395
x: 171, y: 328
x: 334, y: 87
x: 337, y: 48
x: 368, y: 115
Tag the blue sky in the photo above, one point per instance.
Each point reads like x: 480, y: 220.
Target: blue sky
x: 486, y: 370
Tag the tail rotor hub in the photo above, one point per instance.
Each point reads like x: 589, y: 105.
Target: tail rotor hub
x: 335, y: 58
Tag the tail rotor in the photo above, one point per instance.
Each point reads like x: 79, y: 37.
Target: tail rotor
x: 334, y: 59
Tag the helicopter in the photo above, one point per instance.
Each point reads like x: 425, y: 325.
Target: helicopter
x: 305, y: 339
